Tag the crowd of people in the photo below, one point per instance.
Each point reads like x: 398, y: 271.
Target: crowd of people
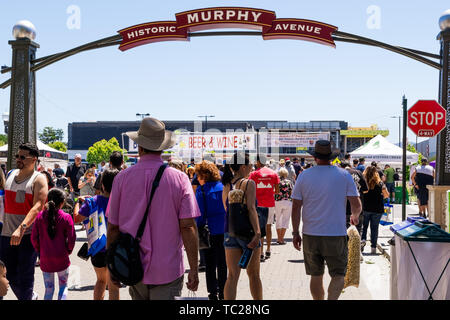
x: 41, y: 207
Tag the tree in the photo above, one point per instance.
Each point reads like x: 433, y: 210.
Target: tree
x: 58, y: 145
x: 101, y: 150
x: 49, y: 135
x: 3, y: 139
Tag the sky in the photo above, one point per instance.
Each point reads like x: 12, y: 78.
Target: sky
x: 232, y: 78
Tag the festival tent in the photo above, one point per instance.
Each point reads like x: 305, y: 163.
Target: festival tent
x: 382, y: 151
x: 48, y: 155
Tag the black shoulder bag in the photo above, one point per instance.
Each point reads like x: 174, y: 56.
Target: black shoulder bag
x: 204, y: 241
x: 239, y: 224
x: 122, y: 257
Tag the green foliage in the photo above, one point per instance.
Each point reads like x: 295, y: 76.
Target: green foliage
x: 3, y: 139
x: 58, y: 145
x: 101, y: 150
x: 411, y: 148
x: 49, y: 135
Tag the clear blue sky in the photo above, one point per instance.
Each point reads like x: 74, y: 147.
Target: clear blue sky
x: 233, y: 78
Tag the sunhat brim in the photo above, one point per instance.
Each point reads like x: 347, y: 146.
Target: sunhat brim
x: 153, y: 144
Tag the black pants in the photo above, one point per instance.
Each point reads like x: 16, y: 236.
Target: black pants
x: 20, y: 263
x: 216, y: 266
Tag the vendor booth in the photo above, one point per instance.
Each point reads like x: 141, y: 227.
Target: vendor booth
x: 382, y: 151
x: 47, y: 155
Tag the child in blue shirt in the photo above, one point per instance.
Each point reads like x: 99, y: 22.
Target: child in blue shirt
x: 92, y: 214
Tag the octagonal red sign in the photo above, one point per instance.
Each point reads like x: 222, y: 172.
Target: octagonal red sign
x: 426, y: 118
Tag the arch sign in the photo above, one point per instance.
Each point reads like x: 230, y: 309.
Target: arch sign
x: 227, y: 17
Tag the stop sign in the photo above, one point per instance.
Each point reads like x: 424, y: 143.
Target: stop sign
x: 426, y: 118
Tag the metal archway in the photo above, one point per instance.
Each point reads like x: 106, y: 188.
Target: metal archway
x: 22, y: 123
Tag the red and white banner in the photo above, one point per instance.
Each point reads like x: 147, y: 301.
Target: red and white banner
x: 294, y: 139
x: 216, y: 142
x: 227, y: 17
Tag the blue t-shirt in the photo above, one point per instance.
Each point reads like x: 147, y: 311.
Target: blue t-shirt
x: 361, y: 167
x: 214, y: 215
x: 324, y: 191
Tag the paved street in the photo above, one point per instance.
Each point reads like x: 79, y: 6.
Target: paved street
x: 283, y: 275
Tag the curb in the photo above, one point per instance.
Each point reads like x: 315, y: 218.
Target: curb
x: 384, y: 252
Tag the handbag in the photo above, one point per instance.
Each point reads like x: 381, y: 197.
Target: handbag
x: 83, y: 252
x: 123, y: 256
x: 239, y: 225
x: 204, y: 241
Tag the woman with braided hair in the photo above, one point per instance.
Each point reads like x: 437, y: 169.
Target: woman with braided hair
x: 53, y: 237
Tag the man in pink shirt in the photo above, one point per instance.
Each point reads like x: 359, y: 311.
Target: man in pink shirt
x: 267, y: 183
x: 171, y: 217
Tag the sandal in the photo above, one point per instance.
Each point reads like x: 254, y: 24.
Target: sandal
x: 267, y: 254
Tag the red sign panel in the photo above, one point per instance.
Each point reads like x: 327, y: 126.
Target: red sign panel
x: 426, y: 118
x: 214, y: 18
x: 301, y: 29
x: 227, y: 17
x: 151, y: 32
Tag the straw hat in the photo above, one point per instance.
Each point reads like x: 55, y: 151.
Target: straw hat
x: 152, y: 135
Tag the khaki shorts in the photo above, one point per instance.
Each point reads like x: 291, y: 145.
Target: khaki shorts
x: 318, y: 249
x: 167, y: 291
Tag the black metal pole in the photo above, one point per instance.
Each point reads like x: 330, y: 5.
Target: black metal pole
x: 443, y: 138
x: 404, y: 160
x: 22, y: 108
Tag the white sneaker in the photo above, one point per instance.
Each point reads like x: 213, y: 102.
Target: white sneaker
x: 373, y: 250
x: 35, y: 296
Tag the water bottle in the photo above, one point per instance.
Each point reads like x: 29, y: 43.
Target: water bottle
x: 245, y: 258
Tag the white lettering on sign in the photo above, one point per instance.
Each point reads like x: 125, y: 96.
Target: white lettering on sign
x: 153, y: 30
x: 221, y: 15
x: 426, y: 118
x: 192, y: 17
x: 297, y: 27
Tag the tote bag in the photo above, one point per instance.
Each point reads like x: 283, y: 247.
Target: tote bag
x: 95, y: 226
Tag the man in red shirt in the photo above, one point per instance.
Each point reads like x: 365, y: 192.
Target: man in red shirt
x: 266, y: 185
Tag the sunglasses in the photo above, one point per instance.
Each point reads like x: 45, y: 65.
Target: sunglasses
x: 23, y: 157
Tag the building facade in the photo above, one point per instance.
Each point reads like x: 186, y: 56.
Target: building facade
x: 82, y: 135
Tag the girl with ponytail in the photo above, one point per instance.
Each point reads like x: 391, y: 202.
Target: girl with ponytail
x: 53, y: 237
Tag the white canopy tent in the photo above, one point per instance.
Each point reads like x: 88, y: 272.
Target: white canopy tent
x: 382, y: 151
x: 48, y: 155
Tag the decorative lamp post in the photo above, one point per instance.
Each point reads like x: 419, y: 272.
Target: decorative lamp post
x: 22, y: 112
x: 443, y: 139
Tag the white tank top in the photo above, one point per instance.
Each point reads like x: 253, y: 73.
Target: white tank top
x: 18, y: 202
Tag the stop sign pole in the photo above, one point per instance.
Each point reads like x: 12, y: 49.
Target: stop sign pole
x: 405, y: 104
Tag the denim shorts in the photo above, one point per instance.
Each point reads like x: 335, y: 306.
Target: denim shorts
x: 230, y: 242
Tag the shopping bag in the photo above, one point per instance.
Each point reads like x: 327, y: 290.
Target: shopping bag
x: 95, y: 226
x: 353, y: 263
x: 386, y: 217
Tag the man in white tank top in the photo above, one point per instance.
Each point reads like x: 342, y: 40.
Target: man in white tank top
x: 423, y: 176
x: 25, y: 195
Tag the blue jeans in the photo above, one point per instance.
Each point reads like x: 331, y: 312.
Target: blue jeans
x: 20, y: 263
x: 374, y: 219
